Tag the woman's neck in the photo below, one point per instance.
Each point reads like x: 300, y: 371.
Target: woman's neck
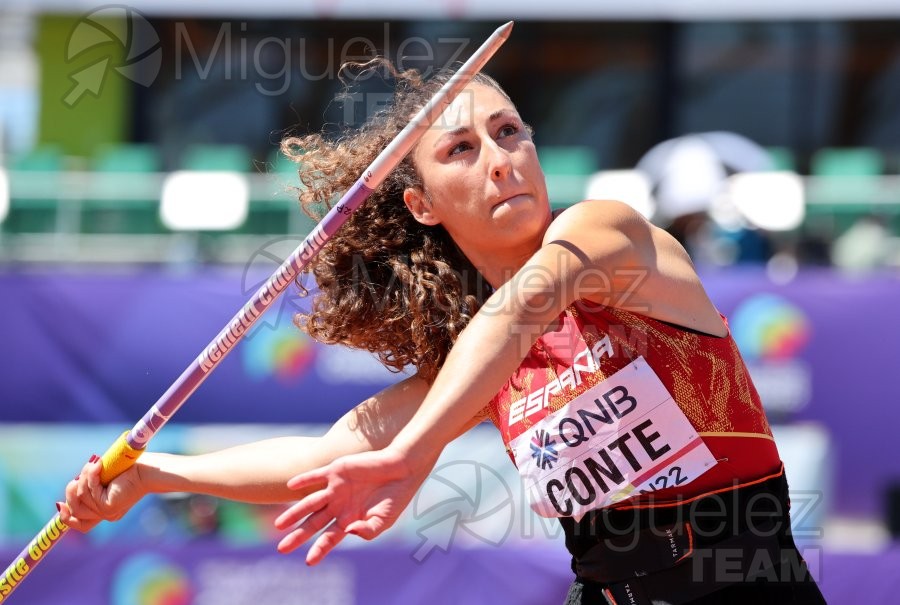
x: 499, y: 266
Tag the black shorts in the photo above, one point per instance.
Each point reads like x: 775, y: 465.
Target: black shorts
x: 731, y: 559
x: 745, y: 593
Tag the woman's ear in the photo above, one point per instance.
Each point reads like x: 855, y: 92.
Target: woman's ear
x: 420, y: 206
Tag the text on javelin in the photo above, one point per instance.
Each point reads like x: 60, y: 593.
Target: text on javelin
x: 248, y: 315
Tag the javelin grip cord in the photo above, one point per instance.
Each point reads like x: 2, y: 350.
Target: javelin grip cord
x: 122, y: 454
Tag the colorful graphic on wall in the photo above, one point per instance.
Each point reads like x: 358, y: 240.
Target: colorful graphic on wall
x: 281, y: 351
x: 150, y: 579
x: 769, y: 327
x: 772, y: 333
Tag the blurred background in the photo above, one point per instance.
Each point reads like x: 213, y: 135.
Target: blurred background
x: 143, y: 200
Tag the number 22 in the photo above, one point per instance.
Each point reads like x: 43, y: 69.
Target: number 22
x: 662, y: 482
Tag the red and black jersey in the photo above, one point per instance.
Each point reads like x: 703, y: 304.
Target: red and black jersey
x: 704, y: 374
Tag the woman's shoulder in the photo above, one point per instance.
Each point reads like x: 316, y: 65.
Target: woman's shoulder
x: 631, y: 262
x: 594, y: 215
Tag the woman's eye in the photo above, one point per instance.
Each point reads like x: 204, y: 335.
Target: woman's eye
x: 459, y: 148
x: 508, y: 130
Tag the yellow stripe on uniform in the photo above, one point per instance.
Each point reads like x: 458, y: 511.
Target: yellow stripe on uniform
x: 756, y: 435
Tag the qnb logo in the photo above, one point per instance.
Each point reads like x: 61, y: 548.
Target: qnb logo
x: 113, y: 37
x: 543, y: 449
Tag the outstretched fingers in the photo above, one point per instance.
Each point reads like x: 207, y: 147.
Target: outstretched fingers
x: 315, y: 502
x: 323, y: 545
x: 311, y: 478
x: 306, y: 530
x: 362, y: 494
x: 367, y: 529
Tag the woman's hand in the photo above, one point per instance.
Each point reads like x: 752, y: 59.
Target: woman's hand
x: 362, y: 494
x: 88, y: 502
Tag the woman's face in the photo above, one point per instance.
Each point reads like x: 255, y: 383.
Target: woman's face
x: 482, y: 180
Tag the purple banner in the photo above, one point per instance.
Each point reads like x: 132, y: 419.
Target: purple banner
x: 82, y: 348
x: 210, y: 574
x: 103, y: 347
x: 77, y: 573
x: 823, y: 348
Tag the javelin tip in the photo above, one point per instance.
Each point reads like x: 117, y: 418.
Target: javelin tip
x: 504, y: 30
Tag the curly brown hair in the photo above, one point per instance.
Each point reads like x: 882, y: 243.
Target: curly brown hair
x: 386, y: 283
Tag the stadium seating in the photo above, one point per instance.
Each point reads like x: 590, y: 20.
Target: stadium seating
x: 782, y: 158
x: 845, y: 176
x: 116, y: 191
x: 846, y: 184
x: 122, y: 194
x: 35, y: 183
x: 216, y: 157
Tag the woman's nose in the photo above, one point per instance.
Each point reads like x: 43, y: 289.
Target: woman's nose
x: 500, y: 163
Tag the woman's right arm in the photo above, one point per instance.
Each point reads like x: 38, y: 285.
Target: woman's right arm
x: 254, y: 472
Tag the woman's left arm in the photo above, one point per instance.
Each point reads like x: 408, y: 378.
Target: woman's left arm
x: 582, y: 250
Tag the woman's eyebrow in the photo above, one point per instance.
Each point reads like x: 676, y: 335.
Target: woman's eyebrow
x: 453, y: 133
x: 500, y: 113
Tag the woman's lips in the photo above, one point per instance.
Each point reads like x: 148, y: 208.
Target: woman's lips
x: 509, y: 199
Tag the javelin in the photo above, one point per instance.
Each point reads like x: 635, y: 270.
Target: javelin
x: 122, y: 454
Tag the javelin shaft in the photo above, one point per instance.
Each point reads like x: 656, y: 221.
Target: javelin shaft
x: 126, y: 450
x: 371, y: 178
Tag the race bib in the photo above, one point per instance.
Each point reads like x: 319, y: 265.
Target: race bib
x: 624, y: 436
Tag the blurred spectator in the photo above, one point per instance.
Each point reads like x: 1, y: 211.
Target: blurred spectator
x: 867, y: 244
x: 689, y: 180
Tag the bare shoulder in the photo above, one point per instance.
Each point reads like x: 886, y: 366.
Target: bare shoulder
x: 640, y: 267
x: 593, y: 215
x: 606, y: 231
